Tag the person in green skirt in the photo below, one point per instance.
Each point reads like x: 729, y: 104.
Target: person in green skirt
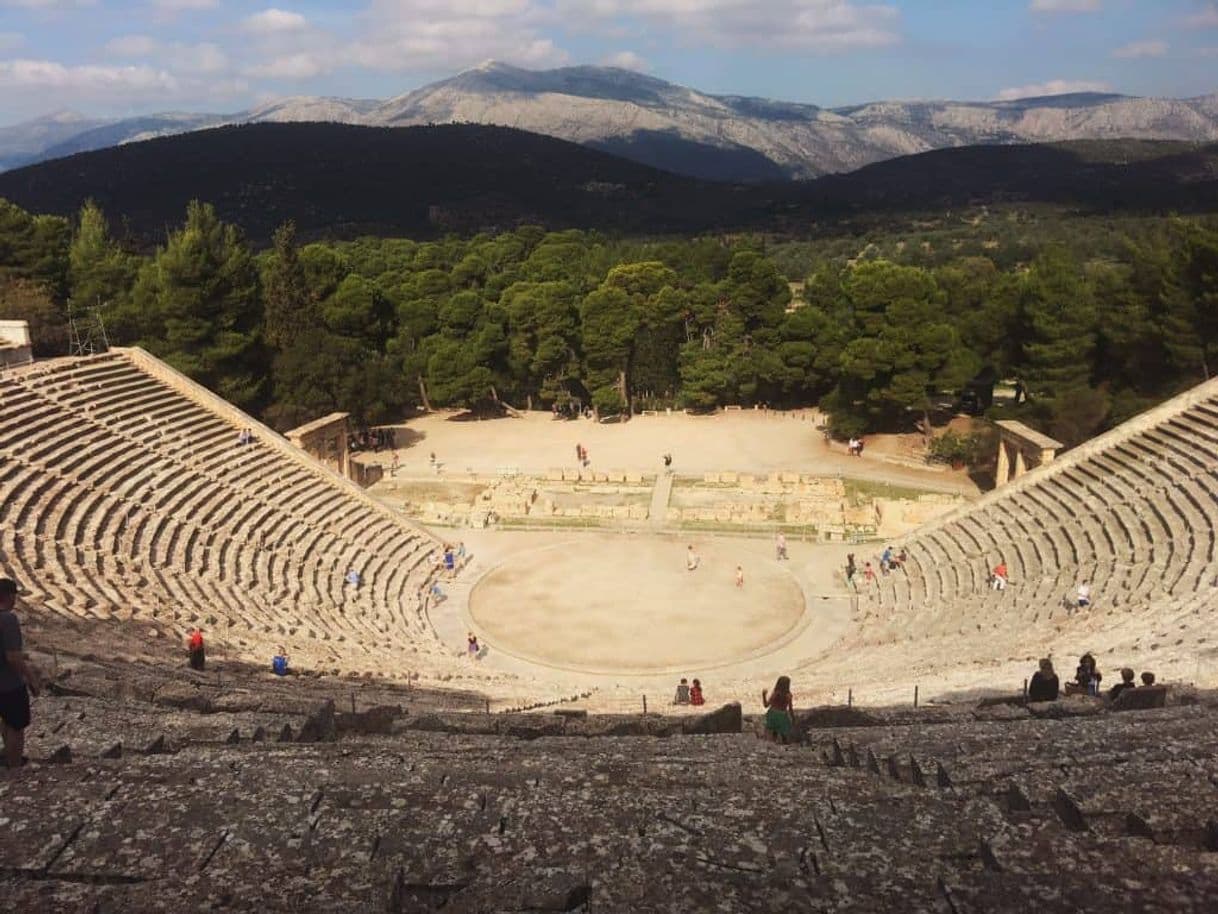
x: 780, y: 710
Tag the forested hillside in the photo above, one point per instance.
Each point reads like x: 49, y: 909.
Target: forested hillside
x: 1098, y: 318
x: 337, y: 181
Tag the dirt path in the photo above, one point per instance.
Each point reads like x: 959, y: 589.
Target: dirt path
x: 745, y: 441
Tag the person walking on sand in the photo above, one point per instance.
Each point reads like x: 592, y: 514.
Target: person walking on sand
x: 740, y: 576
x: 780, y: 547
x: 692, y: 559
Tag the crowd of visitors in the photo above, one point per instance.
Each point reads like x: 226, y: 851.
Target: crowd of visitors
x: 371, y: 439
x: 1044, y: 684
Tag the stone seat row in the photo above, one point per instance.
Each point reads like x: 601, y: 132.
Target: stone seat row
x: 104, y: 469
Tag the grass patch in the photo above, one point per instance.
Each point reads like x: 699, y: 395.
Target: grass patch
x: 862, y: 491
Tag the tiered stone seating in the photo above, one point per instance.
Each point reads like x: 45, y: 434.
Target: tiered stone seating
x: 1133, y: 513
x: 122, y: 495
x: 269, y: 803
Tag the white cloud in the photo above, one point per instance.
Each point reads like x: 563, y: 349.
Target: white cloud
x: 1138, y: 49
x: 808, y: 25
x: 48, y: 4
x: 1207, y: 18
x: 1065, y: 6
x: 1052, y: 87
x: 627, y: 60
x: 47, y: 74
x: 179, y: 6
x: 406, y: 35
x: 291, y: 66
x: 204, y: 57
x: 132, y: 46
x: 274, y: 20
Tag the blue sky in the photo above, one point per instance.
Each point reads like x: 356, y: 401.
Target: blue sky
x: 118, y: 57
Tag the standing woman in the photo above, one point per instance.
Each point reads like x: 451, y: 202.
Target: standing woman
x: 780, y: 710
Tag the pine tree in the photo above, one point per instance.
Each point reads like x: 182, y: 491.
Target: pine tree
x: 288, y: 308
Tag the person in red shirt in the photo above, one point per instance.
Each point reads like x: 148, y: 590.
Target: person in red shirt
x: 198, y: 656
x: 999, y: 579
x: 695, y: 694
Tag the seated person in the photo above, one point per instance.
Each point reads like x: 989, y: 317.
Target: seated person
x: 1086, y: 674
x: 695, y: 694
x: 1125, y: 683
x: 1084, y: 595
x: 1044, y: 685
x: 999, y: 578
x: 682, y: 696
x: 279, y: 663
x: 1148, y: 678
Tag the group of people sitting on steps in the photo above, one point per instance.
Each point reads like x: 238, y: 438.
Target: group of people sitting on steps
x: 1044, y: 685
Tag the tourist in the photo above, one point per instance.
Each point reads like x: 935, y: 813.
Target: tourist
x: 852, y: 446
x: 1148, y: 678
x: 739, y: 576
x: 245, y: 436
x: 780, y: 710
x: 450, y: 559
x: 692, y: 559
x: 998, y: 579
x: 460, y: 553
x: 194, y: 645
x: 695, y: 694
x: 579, y: 454
x: 18, y: 678
x: 353, y: 578
x: 851, y: 570
x: 1087, y: 676
x: 436, y: 592
x: 886, y: 560
x: 1084, y: 597
x: 1125, y: 683
x: 668, y: 463
x: 1044, y: 685
x: 473, y: 646
x: 395, y: 464
x: 279, y: 663
x: 868, y: 574
x: 899, y: 560
x: 682, y: 696
x: 780, y: 547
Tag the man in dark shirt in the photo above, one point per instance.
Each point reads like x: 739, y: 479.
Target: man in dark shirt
x: 17, y: 678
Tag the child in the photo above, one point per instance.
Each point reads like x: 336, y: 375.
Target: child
x: 695, y: 694
x: 473, y: 645
x: 780, y: 710
x: 682, y: 695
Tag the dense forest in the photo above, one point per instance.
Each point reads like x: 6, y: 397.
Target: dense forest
x: 337, y: 181
x: 1097, y: 318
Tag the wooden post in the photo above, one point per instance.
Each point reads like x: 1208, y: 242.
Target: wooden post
x: 850, y: 698
x: 352, y: 701
x: 644, y: 705
x: 915, y: 696
x: 488, y: 706
x: 1025, y: 687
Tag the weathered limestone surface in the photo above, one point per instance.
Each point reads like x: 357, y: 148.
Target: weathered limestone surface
x: 902, y: 810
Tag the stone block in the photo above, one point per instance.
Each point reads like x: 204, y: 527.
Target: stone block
x: 710, y: 478
x: 727, y: 719
x: 634, y: 478
x: 1142, y: 698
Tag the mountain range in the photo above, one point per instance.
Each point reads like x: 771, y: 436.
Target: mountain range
x: 671, y: 127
